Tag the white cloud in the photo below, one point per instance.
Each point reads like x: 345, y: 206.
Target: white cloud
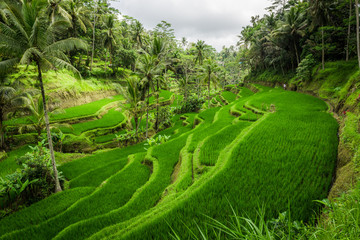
x: 217, y: 22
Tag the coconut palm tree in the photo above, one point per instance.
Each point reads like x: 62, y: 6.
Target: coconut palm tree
x: 200, y: 52
x: 319, y: 10
x: 55, y: 8
x: 109, y: 35
x: 11, y: 101
x: 294, y: 27
x: 158, y: 49
x: 79, y: 16
x: 29, y: 38
x: 148, y: 70
x: 36, y: 122
x: 357, y: 30
x: 209, y: 74
x: 137, y: 32
x: 134, y: 105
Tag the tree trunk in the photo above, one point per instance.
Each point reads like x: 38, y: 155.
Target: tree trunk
x: 296, y: 53
x: 136, y: 125
x: 157, y: 105
x: 209, y: 91
x: 147, y: 112
x: 357, y: 30
x: 186, y: 81
x: 51, y: 148
x: 2, y: 134
x: 323, y: 48
x: 93, y: 40
x: 106, y: 58
x: 349, y: 31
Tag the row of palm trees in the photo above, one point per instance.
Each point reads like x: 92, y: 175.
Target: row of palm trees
x: 294, y: 29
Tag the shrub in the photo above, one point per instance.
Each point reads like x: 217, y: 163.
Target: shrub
x: 193, y: 104
x: 303, y: 71
x: 30, y: 184
x: 73, y: 143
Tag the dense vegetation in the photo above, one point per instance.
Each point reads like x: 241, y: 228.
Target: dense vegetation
x: 170, y: 139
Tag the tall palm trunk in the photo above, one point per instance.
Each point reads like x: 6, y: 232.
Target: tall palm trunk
x: 106, y: 59
x: 349, y: 31
x: 357, y: 30
x: 136, y: 125
x: 147, y: 111
x: 186, y: 93
x: 93, y: 40
x: 57, y: 183
x: 2, y: 133
x: 323, y: 48
x: 157, y: 105
x: 296, y: 53
x: 209, y: 90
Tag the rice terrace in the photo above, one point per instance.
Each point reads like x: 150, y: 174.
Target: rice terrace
x: 113, y: 131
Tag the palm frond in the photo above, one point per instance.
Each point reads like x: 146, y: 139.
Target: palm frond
x: 66, y: 45
x: 29, y: 53
x: 9, y: 46
x: 58, y: 27
x: 60, y: 63
x: 8, y: 64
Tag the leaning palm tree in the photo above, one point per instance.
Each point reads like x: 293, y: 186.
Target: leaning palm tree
x: 11, y: 101
x: 29, y: 38
x: 208, y: 74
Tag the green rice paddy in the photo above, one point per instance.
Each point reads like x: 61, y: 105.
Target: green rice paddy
x: 274, y: 147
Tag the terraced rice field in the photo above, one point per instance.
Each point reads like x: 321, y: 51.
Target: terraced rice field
x: 274, y: 147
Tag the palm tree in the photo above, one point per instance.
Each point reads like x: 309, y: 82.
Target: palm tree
x: 55, y: 8
x: 11, y: 101
x: 201, y: 49
x: 78, y: 15
x: 148, y: 70
x: 134, y: 105
x: 30, y: 38
x: 187, y: 66
x: 79, y: 19
x: 319, y: 10
x: 184, y: 42
x: 357, y: 30
x: 294, y: 27
x: 209, y: 70
x: 37, y: 119
x: 158, y: 49
x: 349, y: 30
x: 109, y: 36
x: 137, y: 31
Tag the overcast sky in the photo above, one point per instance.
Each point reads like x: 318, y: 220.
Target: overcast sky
x: 217, y: 22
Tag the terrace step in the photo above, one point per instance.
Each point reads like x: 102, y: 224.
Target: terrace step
x: 118, y: 189
x: 124, y: 230
x: 145, y: 197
